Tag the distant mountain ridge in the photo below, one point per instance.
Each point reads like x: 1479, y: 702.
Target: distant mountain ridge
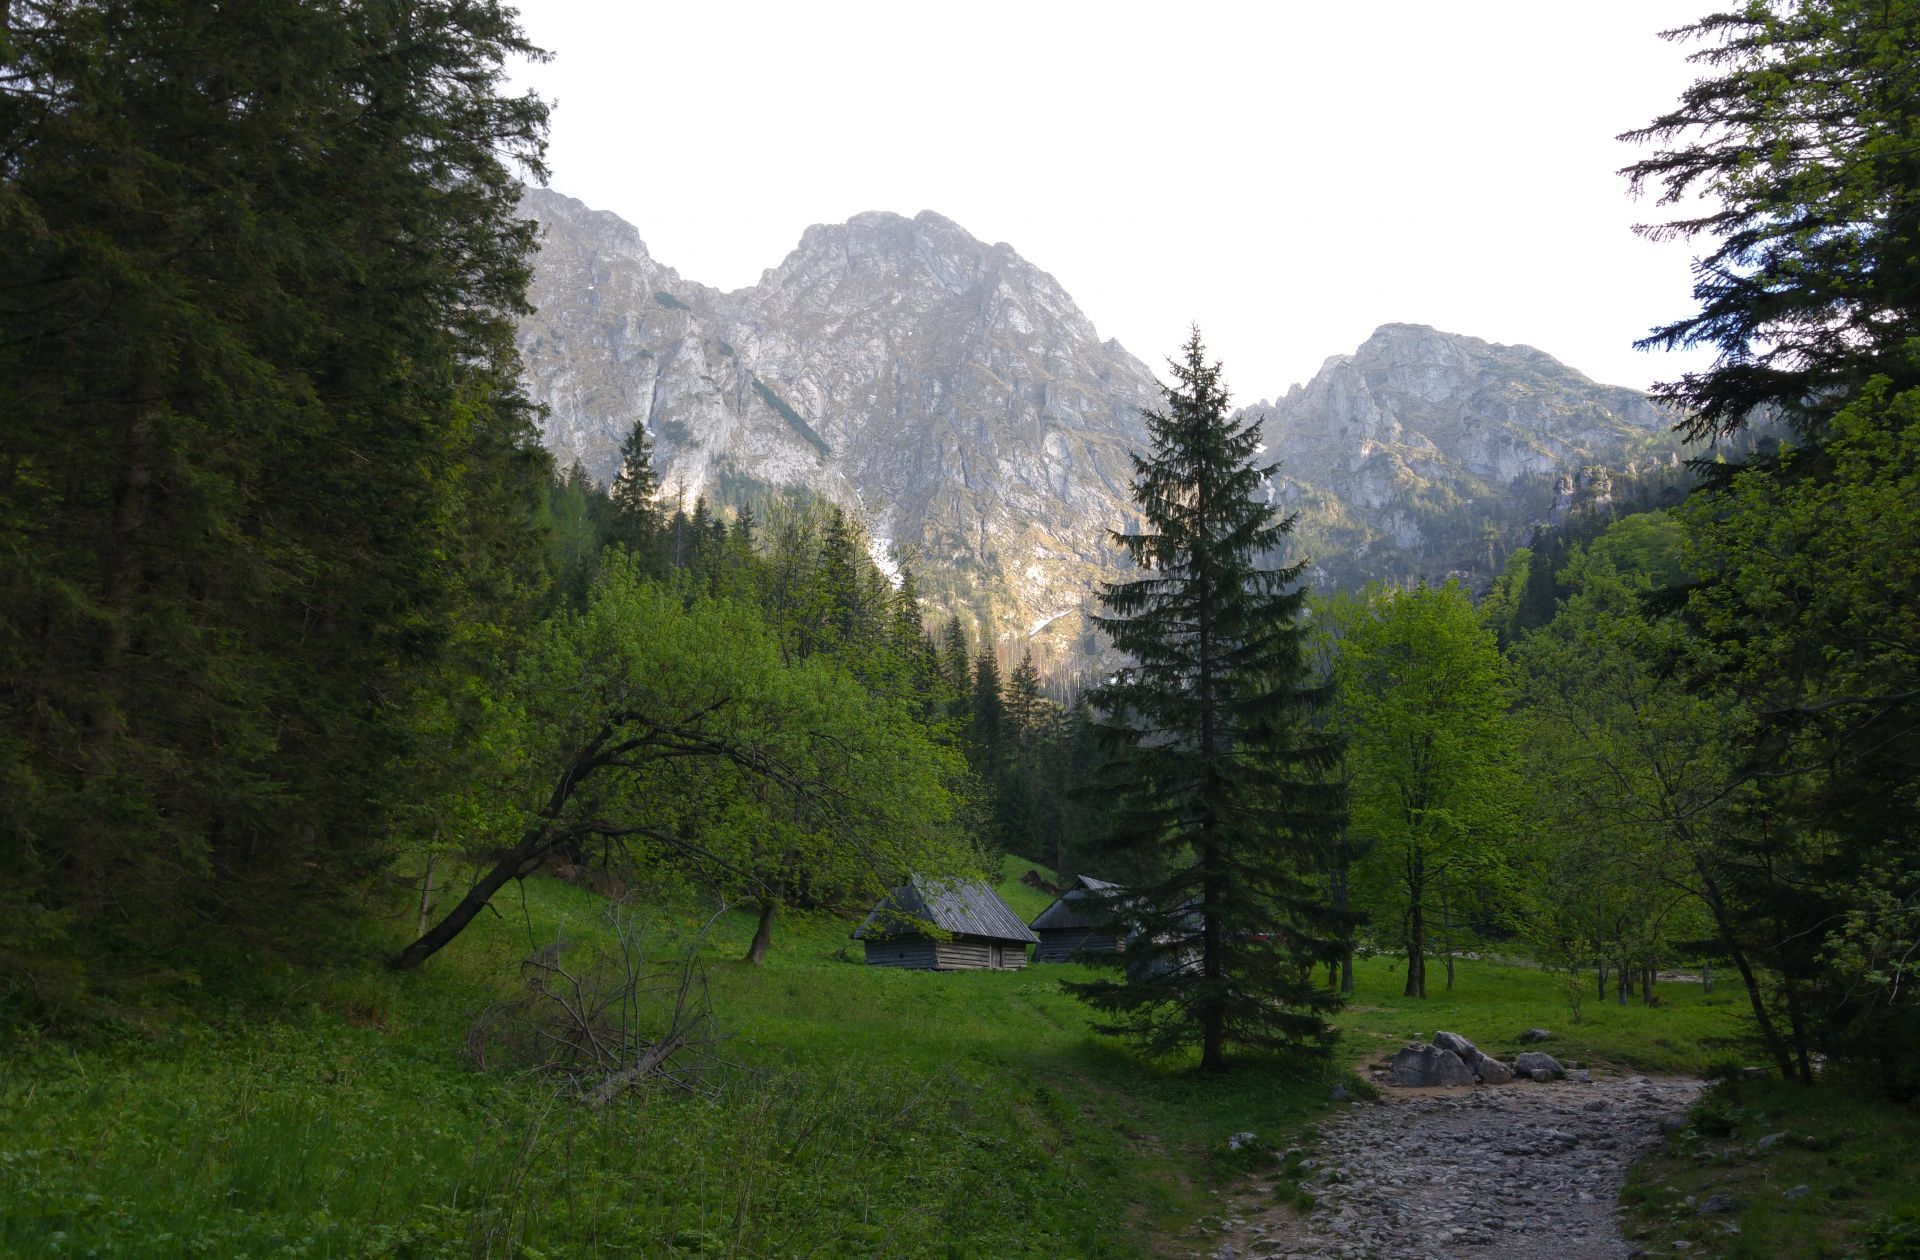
x: 953, y: 394
x: 1422, y: 452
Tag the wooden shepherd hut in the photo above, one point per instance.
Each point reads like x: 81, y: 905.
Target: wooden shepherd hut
x: 1079, y: 923
x: 978, y: 930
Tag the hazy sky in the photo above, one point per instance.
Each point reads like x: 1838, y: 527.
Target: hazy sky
x: 1288, y: 175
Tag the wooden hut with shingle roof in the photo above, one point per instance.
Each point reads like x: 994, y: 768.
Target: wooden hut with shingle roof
x: 932, y: 924
x: 1082, y: 922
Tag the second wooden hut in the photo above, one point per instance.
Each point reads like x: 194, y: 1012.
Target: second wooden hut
x: 1080, y: 923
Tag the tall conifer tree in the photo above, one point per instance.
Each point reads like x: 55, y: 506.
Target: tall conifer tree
x: 269, y: 475
x: 636, y: 519
x: 1213, y: 766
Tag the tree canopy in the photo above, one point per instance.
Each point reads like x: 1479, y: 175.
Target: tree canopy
x: 268, y: 470
x: 1802, y: 139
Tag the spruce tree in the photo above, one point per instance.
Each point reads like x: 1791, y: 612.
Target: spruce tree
x: 636, y: 518
x: 270, y: 478
x: 1213, y: 764
x: 1025, y: 724
x: 955, y: 668
x: 988, y: 711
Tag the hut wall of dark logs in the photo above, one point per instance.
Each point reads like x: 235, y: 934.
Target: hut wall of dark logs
x: 956, y: 955
x: 919, y: 954
x: 1065, y: 944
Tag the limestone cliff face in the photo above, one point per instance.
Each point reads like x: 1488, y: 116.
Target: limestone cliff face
x: 1413, y: 455
x: 952, y: 394
x: 947, y: 389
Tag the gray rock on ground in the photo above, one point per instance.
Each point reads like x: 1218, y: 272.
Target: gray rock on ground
x: 1489, y: 1070
x: 1492, y: 1072
x: 1421, y: 1066
x: 1536, y: 1034
x: 1530, y: 1062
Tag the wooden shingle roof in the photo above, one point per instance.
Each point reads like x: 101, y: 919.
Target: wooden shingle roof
x: 1082, y: 906
x: 964, y: 907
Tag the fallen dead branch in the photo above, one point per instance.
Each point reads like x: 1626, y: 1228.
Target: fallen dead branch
x: 616, y: 1019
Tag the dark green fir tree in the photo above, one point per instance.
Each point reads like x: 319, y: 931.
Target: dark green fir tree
x: 1213, y: 761
x: 636, y: 517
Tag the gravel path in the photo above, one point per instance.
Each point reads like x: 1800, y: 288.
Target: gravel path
x: 1508, y: 1172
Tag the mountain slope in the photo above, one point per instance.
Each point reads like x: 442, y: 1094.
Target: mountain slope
x: 1421, y: 451
x: 947, y: 388
x: 953, y: 394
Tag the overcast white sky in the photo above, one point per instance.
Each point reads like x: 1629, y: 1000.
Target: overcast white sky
x: 1289, y: 175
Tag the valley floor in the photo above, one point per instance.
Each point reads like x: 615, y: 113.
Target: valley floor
x: 852, y: 1111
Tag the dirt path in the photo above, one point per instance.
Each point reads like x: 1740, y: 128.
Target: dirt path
x: 1510, y: 1172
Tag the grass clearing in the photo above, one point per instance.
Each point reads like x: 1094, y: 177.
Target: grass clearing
x: 1687, y: 1032
x: 1804, y: 1173
x: 875, y: 1112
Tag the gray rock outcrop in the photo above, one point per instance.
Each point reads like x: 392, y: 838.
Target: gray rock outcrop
x: 1485, y: 1068
x: 1389, y: 451
x: 1421, y: 1066
x: 1492, y: 1071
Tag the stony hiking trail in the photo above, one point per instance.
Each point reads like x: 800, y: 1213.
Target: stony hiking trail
x: 1507, y: 1172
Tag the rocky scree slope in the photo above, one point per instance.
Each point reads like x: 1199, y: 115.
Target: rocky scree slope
x: 954, y: 395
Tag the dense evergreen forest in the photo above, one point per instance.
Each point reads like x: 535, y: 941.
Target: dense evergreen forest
x: 301, y: 631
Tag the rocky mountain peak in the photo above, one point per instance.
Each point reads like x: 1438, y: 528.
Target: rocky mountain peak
x: 951, y: 393
x: 946, y: 389
x: 1407, y: 455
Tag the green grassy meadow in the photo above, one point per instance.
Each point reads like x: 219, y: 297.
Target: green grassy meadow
x: 333, y: 1111
x: 1822, y: 1173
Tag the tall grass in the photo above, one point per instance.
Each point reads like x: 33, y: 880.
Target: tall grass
x: 869, y: 1112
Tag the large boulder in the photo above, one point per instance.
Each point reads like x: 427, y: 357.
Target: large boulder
x: 1531, y: 1062
x: 1491, y: 1071
x: 1421, y: 1066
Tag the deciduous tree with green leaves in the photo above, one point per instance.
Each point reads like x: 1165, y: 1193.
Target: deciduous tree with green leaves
x: 671, y: 736
x: 1424, y: 697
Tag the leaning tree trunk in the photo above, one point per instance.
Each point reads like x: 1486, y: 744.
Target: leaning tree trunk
x: 1723, y: 921
x: 426, y: 897
x: 763, y: 933
x: 1446, y: 928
